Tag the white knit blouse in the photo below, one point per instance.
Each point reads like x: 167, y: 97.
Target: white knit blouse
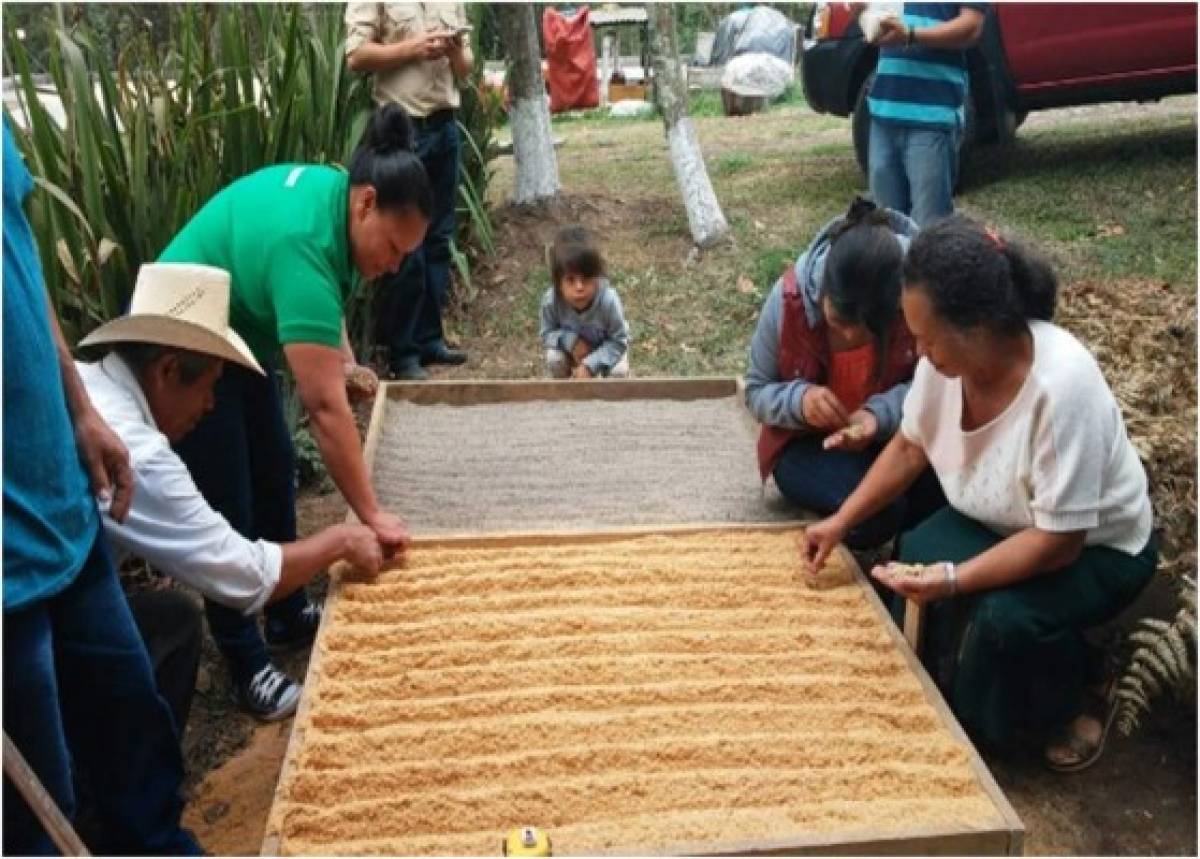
x: 1057, y: 458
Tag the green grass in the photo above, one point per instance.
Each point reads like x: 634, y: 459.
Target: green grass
x: 737, y: 162
x: 1111, y: 200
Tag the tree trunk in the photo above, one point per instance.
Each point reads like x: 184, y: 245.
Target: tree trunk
x: 533, y: 144
x: 705, y: 220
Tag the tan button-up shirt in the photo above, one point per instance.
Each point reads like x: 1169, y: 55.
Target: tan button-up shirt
x: 422, y: 87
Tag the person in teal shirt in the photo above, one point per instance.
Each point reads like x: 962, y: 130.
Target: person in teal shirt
x: 295, y: 239
x: 79, y: 691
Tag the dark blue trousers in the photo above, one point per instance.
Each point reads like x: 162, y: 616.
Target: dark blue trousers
x: 414, y: 298
x: 243, y: 462
x: 79, y: 689
x: 820, y: 480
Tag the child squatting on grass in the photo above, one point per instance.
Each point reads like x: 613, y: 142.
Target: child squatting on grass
x: 583, y: 326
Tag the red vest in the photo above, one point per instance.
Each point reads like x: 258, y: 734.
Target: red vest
x: 804, y: 354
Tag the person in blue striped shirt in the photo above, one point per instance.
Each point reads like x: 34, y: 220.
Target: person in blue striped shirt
x: 917, y: 105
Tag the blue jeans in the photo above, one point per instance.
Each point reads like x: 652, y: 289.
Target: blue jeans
x: 913, y: 170
x: 414, y: 298
x: 820, y: 480
x: 243, y: 462
x: 79, y: 689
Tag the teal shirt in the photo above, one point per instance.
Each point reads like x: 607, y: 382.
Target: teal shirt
x: 281, y: 234
x: 50, y: 517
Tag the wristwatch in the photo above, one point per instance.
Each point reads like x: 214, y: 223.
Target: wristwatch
x: 910, y: 37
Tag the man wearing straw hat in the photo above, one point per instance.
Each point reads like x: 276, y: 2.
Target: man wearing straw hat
x: 152, y: 388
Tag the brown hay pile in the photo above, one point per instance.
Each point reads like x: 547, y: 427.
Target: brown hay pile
x: 1143, y: 333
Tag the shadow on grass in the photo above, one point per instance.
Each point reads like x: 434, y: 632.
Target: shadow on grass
x: 1073, y: 151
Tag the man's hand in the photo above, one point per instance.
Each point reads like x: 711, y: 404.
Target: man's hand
x: 582, y: 372
x: 822, y: 409
x: 361, y: 382
x: 429, y: 46
x: 893, y: 33
x: 390, y: 531
x: 580, y: 350
x: 106, y: 459
x: 858, y: 434
x: 362, y: 548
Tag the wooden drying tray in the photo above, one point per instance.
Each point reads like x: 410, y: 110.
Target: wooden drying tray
x: 1006, y: 839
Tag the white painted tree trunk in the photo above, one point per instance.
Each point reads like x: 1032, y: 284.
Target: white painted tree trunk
x: 705, y: 218
x: 529, y: 115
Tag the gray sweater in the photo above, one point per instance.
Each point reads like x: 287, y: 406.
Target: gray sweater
x: 775, y: 402
x: 601, y: 325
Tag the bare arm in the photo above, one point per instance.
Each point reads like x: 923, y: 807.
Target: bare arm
x: 378, y: 57
x: 104, y: 454
x: 955, y: 35
x: 900, y: 463
x: 1022, y: 556
x: 303, y: 559
x: 321, y: 383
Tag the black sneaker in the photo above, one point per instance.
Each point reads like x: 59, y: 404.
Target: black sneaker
x: 270, y: 695
x: 295, y: 633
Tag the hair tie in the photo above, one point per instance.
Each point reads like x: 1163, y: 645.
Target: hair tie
x: 996, y: 240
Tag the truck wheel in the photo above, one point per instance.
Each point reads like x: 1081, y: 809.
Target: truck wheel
x: 860, y: 127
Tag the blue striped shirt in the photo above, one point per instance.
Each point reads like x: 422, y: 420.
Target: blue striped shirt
x: 924, y: 87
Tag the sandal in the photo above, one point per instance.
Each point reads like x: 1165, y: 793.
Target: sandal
x: 1081, y: 753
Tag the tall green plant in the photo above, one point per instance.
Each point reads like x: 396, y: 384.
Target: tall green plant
x: 149, y: 137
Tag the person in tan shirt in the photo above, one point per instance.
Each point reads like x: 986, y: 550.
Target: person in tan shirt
x: 418, y: 54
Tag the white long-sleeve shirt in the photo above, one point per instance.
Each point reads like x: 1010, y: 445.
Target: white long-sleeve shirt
x: 1057, y: 458
x: 169, y: 522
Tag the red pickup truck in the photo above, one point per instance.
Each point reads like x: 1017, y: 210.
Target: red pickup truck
x: 1031, y: 56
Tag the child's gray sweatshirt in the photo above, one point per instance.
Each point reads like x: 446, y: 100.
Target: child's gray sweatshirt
x: 601, y: 325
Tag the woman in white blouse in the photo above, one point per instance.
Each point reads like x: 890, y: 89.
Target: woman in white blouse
x: 1048, y: 528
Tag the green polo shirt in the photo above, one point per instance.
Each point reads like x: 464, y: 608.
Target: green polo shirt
x: 281, y: 235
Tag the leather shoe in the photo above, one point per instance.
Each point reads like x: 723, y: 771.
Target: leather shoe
x: 409, y: 372
x: 443, y: 354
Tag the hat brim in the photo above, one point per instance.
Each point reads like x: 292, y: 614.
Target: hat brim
x: 170, y: 331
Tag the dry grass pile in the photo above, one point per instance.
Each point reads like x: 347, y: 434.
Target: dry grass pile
x: 1143, y: 333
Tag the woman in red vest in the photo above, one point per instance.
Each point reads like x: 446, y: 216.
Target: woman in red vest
x: 830, y: 364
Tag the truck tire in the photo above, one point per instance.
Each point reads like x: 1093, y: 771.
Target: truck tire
x: 860, y: 129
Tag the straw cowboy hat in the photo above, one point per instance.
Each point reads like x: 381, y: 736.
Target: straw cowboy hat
x: 185, y: 306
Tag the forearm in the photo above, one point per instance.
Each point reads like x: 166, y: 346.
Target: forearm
x: 957, y: 35
x: 303, y: 559
x: 376, y: 57
x: 900, y: 463
x: 461, y: 62
x: 1022, y: 556
x: 78, y: 401
x: 333, y: 429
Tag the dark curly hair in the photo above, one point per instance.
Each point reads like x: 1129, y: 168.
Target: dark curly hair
x: 975, y: 278
x: 862, y: 274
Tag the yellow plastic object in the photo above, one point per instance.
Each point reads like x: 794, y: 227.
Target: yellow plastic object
x: 526, y: 841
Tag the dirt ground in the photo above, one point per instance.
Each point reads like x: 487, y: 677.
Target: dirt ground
x: 1139, y: 800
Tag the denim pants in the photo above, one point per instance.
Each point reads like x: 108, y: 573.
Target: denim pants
x: 913, y: 170
x: 79, y: 689
x: 413, y: 299
x: 241, y: 457
x: 1013, y: 661
x: 820, y: 480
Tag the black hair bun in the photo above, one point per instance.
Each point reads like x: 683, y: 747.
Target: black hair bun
x: 390, y: 130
